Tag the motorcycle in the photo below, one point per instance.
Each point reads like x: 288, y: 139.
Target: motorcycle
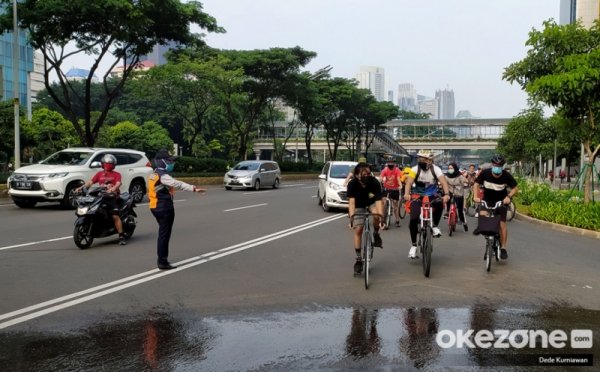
x: 94, y: 220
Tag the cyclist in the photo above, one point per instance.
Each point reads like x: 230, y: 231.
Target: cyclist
x: 495, y: 181
x: 456, y: 184
x: 110, y: 179
x: 427, y: 176
x: 364, y: 193
x: 391, y: 179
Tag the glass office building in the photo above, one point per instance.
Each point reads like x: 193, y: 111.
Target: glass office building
x: 6, y: 67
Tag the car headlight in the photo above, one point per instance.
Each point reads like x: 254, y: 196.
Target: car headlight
x: 55, y: 175
x: 335, y: 186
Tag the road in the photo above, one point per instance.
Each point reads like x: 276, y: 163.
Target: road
x: 259, y: 269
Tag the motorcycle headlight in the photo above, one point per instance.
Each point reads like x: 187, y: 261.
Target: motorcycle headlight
x: 82, y: 211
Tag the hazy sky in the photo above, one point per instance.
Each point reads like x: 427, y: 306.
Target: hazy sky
x: 463, y: 45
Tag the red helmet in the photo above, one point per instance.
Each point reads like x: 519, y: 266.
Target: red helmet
x: 108, y: 162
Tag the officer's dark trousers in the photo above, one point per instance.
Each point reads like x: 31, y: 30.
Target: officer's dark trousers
x: 165, y: 219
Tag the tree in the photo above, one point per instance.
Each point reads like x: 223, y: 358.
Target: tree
x: 265, y: 75
x: 122, y: 29
x: 47, y: 132
x: 562, y: 69
x: 149, y: 137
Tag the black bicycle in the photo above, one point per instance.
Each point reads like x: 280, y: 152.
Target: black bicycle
x: 366, y: 243
x: 489, y: 227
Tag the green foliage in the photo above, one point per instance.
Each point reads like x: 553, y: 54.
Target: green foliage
x: 585, y: 216
x: 530, y: 192
x: 187, y: 164
x: 150, y: 137
x: 46, y: 133
x: 292, y: 167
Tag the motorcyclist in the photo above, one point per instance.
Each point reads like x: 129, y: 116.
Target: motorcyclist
x: 111, y: 180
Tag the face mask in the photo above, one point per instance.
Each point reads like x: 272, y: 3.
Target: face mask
x: 450, y: 171
x: 108, y: 167
x: 390, y: 166
x: 423, y: 166
x: 497, y: 170
x: 169, y: 167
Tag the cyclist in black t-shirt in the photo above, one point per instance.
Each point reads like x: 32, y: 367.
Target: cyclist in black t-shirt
x: 495, y: 182
x: 364, y: 193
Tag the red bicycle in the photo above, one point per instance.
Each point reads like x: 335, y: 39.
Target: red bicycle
x: 452, y: 217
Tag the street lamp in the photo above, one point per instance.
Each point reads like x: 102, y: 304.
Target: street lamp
x: 16, y: 85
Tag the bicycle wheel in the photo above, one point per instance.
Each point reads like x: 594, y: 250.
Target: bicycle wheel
x: 471, y: 209
x: 511, y: 211
x: 427, y: 249
x: 451, y: 222
x: 489, y: 248
x: 402, y: 210
x: 387, y: 211
x: 368, y: 248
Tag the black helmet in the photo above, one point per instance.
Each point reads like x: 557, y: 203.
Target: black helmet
x: 498, y: 159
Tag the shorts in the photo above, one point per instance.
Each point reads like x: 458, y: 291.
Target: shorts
x: 501, y: 211
x: 112, y: 204
x: 394, y: 194
x: 359, y: 221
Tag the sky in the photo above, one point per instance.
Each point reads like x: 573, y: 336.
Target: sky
x: 462, y: 45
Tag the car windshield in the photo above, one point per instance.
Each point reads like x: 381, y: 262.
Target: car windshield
x: 340, y: 170
x: 67, y: 158
x: 246, y: 166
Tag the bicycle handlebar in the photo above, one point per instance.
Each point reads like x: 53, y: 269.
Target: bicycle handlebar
x: 497, y: 205
x: 366, y: 214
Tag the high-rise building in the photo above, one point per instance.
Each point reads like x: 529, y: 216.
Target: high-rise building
x: 585, y: 10
x: 407, y: 97
x: 445, y: 100
x: 430, y: 106
x: 373, y: 79
x: 6, y: 65
x: 390, y: 96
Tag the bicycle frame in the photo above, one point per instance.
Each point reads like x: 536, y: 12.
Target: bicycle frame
x: 492, y: 241
x: 452, y: 217
x: 366, y: 243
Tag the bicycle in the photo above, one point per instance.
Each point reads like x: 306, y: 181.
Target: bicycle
x: 470, y: 205
x: 366, y: 243
x: 425, y: 238
x: 489, y: 226
x: 388, y: 209
x: 452, y: 217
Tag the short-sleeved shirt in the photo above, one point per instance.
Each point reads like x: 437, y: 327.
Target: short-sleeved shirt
x: 426, y: 184
x: 392, y: 176
x: 107, y: 179
x: 495, y: 189
x: 364, y: 196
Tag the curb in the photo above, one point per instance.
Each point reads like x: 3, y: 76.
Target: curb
x: 554, y: 226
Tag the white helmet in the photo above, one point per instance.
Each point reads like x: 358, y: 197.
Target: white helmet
x: 425, y: 154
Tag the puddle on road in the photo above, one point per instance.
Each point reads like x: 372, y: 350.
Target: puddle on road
x: 322, y: 339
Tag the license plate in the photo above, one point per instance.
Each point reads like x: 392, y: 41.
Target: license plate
x: 23, y: 185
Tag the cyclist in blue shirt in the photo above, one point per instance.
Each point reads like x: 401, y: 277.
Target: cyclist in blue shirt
x: 425, y: 177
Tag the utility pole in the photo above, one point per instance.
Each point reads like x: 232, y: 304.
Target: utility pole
x: 16, y: 86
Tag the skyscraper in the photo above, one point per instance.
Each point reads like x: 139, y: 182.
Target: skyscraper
x: 6, y: 66
x: 373, y: 79
x: 407, y: 97
x: 445, y: 100
x: 585, y: 10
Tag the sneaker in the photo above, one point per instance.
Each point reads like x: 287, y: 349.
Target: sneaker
x: 466, y: 227
x: 476, y: 231
x: 412, y: 254
x: 358, y: 266
x: 122, y: 240
x: 377, y: 240
x: 436, y: 232
x: 445, y: 216
x: 476, y: 214
x: 397, y: 223
x: 503, y: 253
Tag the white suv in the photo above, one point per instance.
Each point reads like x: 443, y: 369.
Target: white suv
x: 332, y: 191
x: 55, y: 178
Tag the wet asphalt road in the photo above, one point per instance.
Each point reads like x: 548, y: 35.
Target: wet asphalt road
x: 265, y: 283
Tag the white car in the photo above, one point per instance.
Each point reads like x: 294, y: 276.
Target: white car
x: 332, y: 191
x: 55, y: 178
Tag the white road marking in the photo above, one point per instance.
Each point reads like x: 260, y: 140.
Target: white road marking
x: 292, y: 185
x: 249, y: 206
x: 34, y: 243
x: 256, y: 192
x: 133, y: 280
x: 309, y: 187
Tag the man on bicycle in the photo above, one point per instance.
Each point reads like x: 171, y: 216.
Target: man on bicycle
x: 364, y: 194
x: 391, y: 178
x: 426, y: 178
x: 495, y: 182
